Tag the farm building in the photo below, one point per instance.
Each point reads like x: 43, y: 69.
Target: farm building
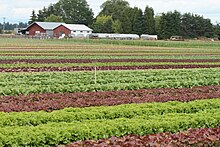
x: 54, y: 29
x: 149, y: 37
x: 115, y: 36
x: 73, y: 30
x: 42, y: 28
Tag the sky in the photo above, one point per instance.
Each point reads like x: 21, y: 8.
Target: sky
x: 20, y: 10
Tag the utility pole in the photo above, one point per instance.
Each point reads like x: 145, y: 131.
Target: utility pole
x: 4, y: 24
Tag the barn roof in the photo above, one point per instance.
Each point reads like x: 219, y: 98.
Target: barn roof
x: 53, y: 25
x: 47, y: 25
x: 77, y: 27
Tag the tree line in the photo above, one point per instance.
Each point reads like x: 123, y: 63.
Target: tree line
x: 10, y: 26
x: 117, y: 16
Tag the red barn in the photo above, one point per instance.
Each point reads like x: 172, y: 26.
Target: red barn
x: 42, y: 28
x: 58, y: 31
x: 54, y: 29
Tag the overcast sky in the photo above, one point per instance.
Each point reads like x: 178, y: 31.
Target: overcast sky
x: 20, y: 10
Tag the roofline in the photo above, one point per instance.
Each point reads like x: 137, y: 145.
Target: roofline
x: 61, y: 25
x: 33, y: 24
x: 79, y: 24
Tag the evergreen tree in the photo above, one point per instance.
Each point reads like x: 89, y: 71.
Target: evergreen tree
x: 40, y: 16
x: 170, y: 24
x: 33, y: 17
x: 149, y: 21
x: 138, y: 22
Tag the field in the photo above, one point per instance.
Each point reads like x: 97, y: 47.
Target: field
x: 109, y: 93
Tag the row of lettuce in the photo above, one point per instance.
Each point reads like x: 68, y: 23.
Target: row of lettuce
x: 75, y: 124
x: 62, y: 82
x: 99, y: 64
x: 60, y: 56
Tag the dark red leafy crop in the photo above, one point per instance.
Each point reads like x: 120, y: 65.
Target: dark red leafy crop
x: 191, y: 137
x: 50, y: 102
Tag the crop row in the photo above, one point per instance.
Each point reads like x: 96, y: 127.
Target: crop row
x: 112, y: 51
x: 191, y: 137
x: 70, y: 42
x: 93, y: 68
x: 50, y: 61
x: 56, y: 82
x: 68, y: 125
x: 130, y: 111
x: 110, y: 64
x: 50, y: 102
x: 107, y: 57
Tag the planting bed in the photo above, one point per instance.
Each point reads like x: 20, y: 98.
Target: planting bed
x: 50, y: 102
x: 191, y: 137
x: 50, y: 94
x: 35, y: 61
x: 90, y: 68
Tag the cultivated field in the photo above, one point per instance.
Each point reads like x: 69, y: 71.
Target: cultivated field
x: 109, y: 93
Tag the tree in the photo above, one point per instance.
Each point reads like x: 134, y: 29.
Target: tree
x: 170, y: 24
x: 114, y: 8
x: 217, y: 30
x: 157, y: 25
x: 33, y: 17
x: 53, y: 18
x: 138, y: 22
x: 103, y: 24
x: 149, y: 21
x: 40, y: 16
x: 117, y: 27
x: 75, y: 11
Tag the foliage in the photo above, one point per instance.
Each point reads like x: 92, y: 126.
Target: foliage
x: 114, y: 8
x: 106, y: 81
x: 117, y: 26
x: 33, y: 17
x: 138, y: 24
x: 75, y: 11
x: 53, y: 18
x: 70, y: 11
x: 149, y: 21
x: 170, y: 24
x: 64, y: 126
x: 191, y: 137
x: 217, y: 30
x: 103, y: 24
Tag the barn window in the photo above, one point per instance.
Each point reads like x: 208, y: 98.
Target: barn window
x: 81, y: 31
x: 88, y: 31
